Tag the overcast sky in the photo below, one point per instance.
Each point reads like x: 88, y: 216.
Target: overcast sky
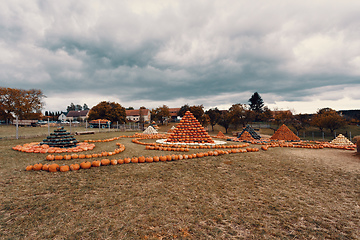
x: 301, y: 55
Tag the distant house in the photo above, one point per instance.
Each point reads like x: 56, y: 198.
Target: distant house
x: 174, y: 114
x: 77, y: 115
x: 62, y: 117
x: 134, y: 115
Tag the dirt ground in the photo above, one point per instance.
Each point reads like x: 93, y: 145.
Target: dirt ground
x: 348, y: 161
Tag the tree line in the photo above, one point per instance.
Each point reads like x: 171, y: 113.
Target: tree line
x: 27, y: 104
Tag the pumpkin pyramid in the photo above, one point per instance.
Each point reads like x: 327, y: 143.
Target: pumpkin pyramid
x: 245, y: 136
x: 189, y: 130
x: 220, y: 135
x: 341, y: 140
x: 150, y: 130
x: 251, y: 131
x: 60, y: 138
x: 284, y: 133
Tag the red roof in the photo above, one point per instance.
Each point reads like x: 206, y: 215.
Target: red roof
x: 137, y: 112
x: 81, y: 113
x: 174, y: 111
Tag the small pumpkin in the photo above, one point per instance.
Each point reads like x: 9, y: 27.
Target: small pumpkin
x: 120, y: 161
x: 96, y: 163
x: 141, y: 159
x: 200, y: 155
x: 54, y: 167
x: 85, y: 165
x: 29, y: 168
x: 74, y: 167
x: 105, y: 162
x: 37, y: 167
x: 113, y: 162
x: 149, y: 159
x: 45, y: 167
x: 64, y: 168
x: 156, y: 158
x: 50, y: 157
x: 58, y: 157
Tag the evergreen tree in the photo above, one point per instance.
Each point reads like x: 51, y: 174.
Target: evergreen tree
x: 256, y: 103
x: 71, y: 107
x: 86, y: 107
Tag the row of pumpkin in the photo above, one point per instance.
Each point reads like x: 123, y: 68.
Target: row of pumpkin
x: 105, y: 162
x: 52, y: 157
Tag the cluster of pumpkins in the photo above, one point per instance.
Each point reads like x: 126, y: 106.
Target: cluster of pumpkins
x: 35, y: 147
x: 189, y: 130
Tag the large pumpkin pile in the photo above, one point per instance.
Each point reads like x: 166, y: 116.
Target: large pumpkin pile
x: 189, y: 130
x: 246, y: 136
x: 220, y: 135
x: 284, y: 133
x: 250, y: 131
x: 150, y: 130
x: 341, y: 140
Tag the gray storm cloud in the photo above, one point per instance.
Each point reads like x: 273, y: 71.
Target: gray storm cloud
x: 169, y: 50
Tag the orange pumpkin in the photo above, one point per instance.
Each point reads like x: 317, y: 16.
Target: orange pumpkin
x: 127, y: 160
x: 168, y: 157
x: 96, y: 163
x: 85, y: 165
x: 81, y: 156
x: 74, y: 156
x: 64, y: 168
x: 134, y: 160
x: 120, y: 161
x: 50, y: 157
x: 45, y: 167
x: 200, y: 155
x: 29, y: 168
x: 105, y: 162
x: 163, y: 158
x: 67, y: 157
x: 58, y: 157
x: 113, y: 162
x: 156, y: 159
x: 74, y: 167
x: 141, y: 159
x: 37, y: 167
x: 149, y: 159
x: 54, y: 167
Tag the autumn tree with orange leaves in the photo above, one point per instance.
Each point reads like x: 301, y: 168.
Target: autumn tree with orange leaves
x: 25, y: 104
x: 108, y: 110
x: 328, y: 118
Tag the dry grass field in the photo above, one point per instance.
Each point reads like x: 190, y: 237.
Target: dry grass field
x: 282, y: 193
